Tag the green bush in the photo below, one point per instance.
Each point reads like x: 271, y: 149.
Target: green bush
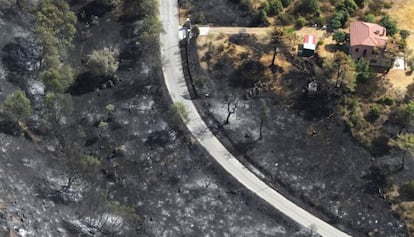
x: 369, y: 18
x: 103, y: 62
x: 300, y: 22
x: 404, y: 34
x: 177, y: 113
x: 58, y: 79
x: 55, y: 26
x: 308, y: 7
x: 17, y: 106
x: 275, y: 7
x: 363, y: 70
x: 339, y: 36
x: 340, y: 19
x: 389, y: 24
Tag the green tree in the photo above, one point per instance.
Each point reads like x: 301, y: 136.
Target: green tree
x: 389, y: 24
x: 404, y: 142
x: 55, y: 23
x: 103, y: 62
x: 340, y: 19
x: 344, y: 70
x: 58, y: 79
x: 309, y: 6
x: 364, y: 73
x: 339, y: 36
x: 275, y: 7
x: 17, y: 106
x: 347, y: 5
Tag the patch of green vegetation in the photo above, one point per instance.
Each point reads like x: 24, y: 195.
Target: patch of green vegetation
x: 16, y: 106
x: 177, y: 113
x: 103, y: 63
x: 55, y: 26
x: 389, y: 24
x: 110, y: 107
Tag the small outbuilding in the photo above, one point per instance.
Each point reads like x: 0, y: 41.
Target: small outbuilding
x: 309, y: 45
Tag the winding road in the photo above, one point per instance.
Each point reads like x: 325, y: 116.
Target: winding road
x: 176, y: 85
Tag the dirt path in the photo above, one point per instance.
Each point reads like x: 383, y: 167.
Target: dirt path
x: 238, y: 30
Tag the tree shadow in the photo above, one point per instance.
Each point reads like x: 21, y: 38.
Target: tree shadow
x: 331, y: 48
x: 86, y: 82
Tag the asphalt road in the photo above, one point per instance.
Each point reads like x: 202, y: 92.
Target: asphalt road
x: 175, y: 83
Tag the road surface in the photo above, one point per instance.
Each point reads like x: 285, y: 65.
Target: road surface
x: 175, y: 83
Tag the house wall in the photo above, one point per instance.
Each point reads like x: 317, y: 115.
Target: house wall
x: 375, y: 59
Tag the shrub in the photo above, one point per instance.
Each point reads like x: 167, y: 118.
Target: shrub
x: 300, y: 22
x: 369, y: 18
x: 177, y: 113
x: 389, y: 24
x: 103, y: 62
x: 58, y: 79
x: 404, y: 34
x: 17, y: 106
x: 340, y: 19
x: 339, y: 36
x: 307, y: 7
x: 363, y: 70
x: 275, y: 7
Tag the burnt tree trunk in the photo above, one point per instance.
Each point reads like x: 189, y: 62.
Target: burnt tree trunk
x: 261, y: 129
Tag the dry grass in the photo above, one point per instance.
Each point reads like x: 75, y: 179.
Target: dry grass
x: 402, y: 12
x: 400, y: 80
x: 406, y: 211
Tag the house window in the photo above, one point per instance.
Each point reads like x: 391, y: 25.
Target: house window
x: 365, y: 52
x: 357, y: 50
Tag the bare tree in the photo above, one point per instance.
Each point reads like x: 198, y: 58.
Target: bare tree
x: 232, y: 104
x: 276, y: 39
x: 263, y: 118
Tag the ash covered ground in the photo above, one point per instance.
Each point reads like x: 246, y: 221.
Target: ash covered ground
x: 165, y: 184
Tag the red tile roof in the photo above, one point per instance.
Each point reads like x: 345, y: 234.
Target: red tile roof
x: 309, y: 42
x: 368, y: 34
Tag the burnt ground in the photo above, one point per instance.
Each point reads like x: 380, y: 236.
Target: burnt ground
x: 165, y: 184
x: 305, y: 151
x: 207, y: 12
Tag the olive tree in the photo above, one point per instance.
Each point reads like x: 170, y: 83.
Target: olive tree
x: 103, y: 62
